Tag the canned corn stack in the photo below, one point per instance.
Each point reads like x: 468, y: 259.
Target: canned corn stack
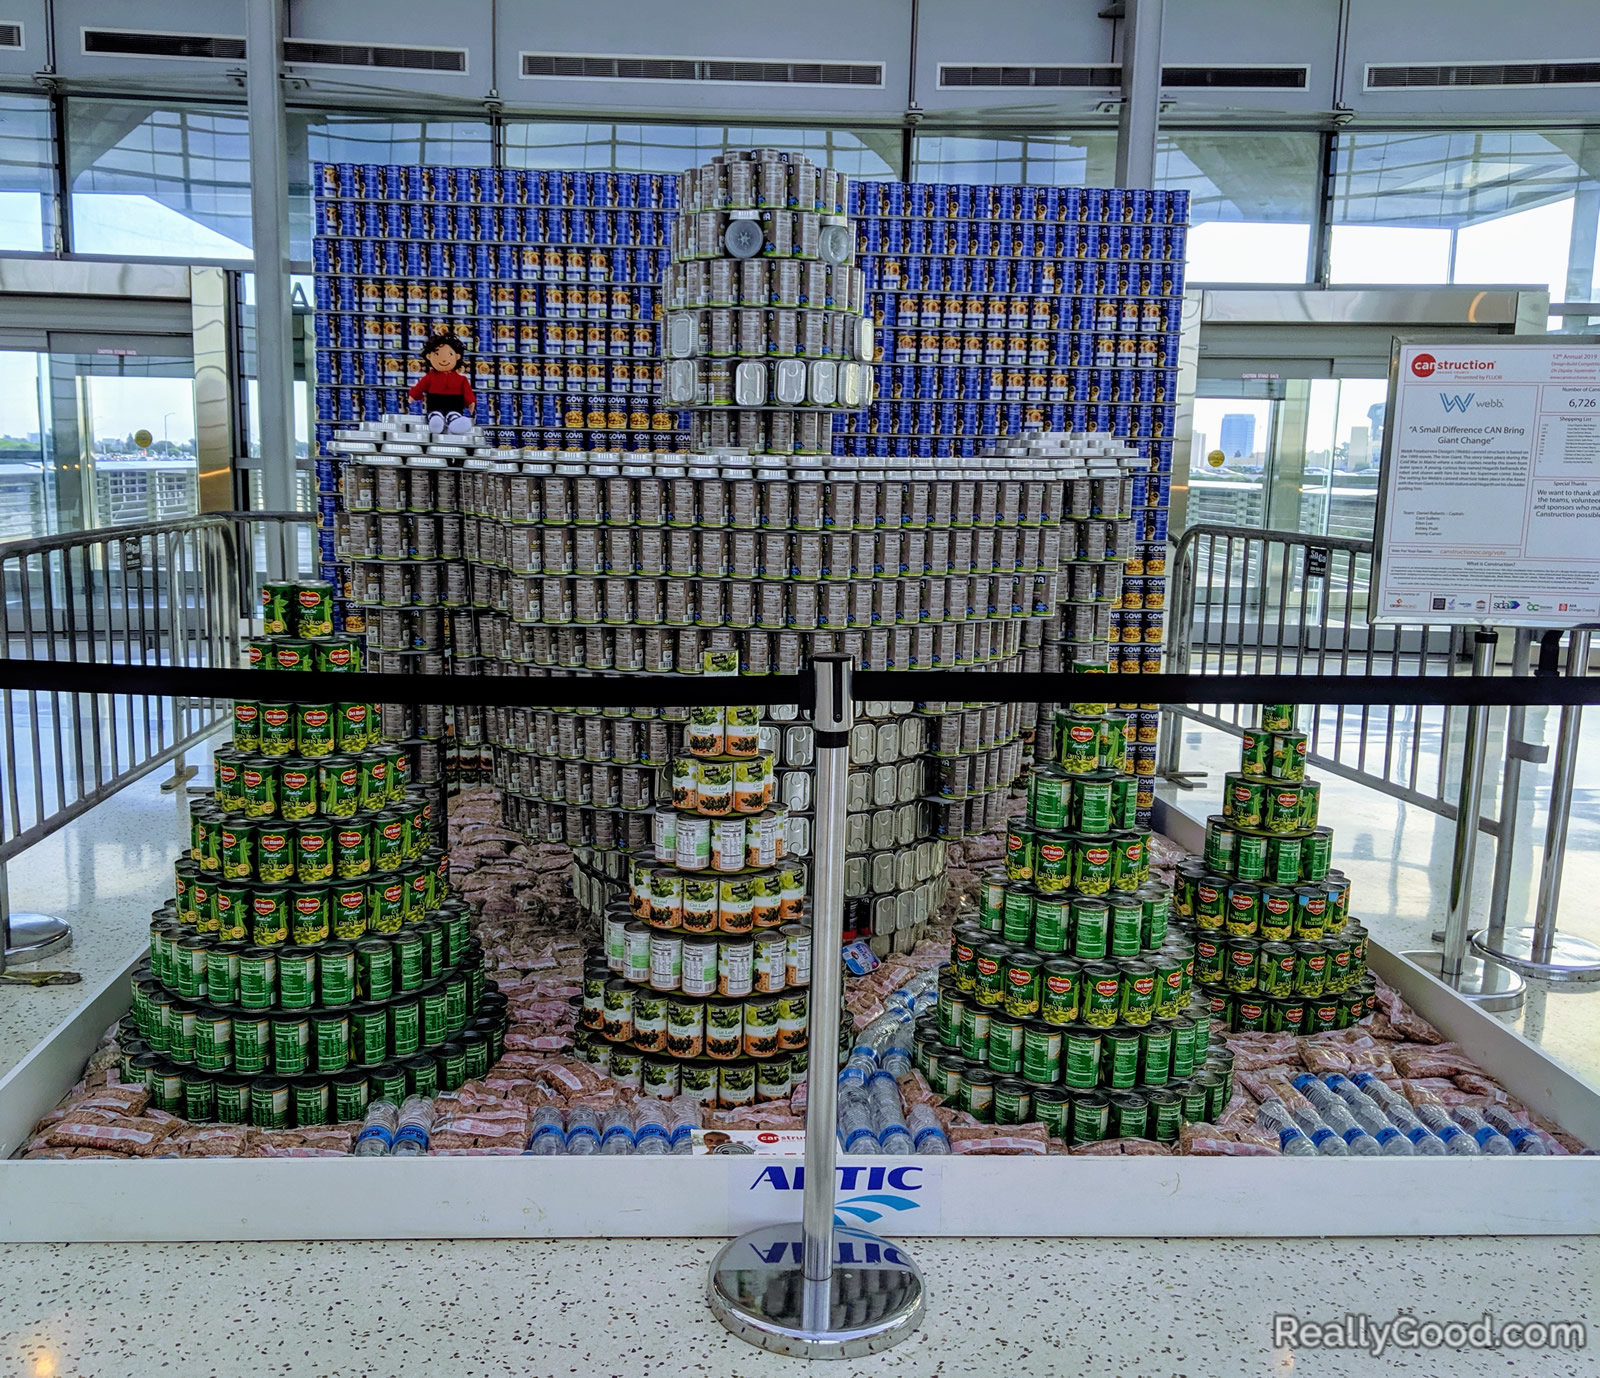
x: 312, y: 956
x: 1276, y: 947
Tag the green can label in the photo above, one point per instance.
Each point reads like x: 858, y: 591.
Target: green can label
x: 291, y: 1042
x: 1094, y: 866
x: 308, y: 915
x: 332, y: 1041
x: 1058, y: 996
x: 1051, y: 923
x: 1019, y: 853
x: 246, y: 725
x: 1243, y: 966
x: 252, y: 1044
x: 350, y: 1098
x: 1048, y: 796
x: 1250, y: 856
x: 238, y: 850
x: 1282, y: 809
x: 1041, y: 1054
x: 1245, y: 802
x: 991, y: 979
x: 1139, y: 995
x: 347, y: 911
x: 1126, y: 925
x: 405, y: 1028
x: 1091, y: 927
x: 277, y: 729
x: 352, y: 851
x: 1016, y: 920
x: 1092, y: 805
x: 352, y: 728
x: 1079, y: 743
x: 258, y: 979
x: 269, y: 917
x: 1102, y: 997
x: 1003, y: 1047
x: 369, y: 1036
x: 1122, y: 1059
x: 386, y: 906
x: 1052, y: 864
x: 1022, y: 986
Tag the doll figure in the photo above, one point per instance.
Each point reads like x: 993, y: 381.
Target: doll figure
x: 444, y: 390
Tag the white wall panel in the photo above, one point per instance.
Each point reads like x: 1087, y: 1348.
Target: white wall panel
x: 405, y: 23
x: 1431, y: 31
x: 779, y: 30
x: 30, y: 58
x: 1252, y: 33
x: 170, y: 16
x: 1024, y: 32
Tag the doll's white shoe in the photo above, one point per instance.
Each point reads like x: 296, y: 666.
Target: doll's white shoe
x: 436, y: 422
x: 459, y: 425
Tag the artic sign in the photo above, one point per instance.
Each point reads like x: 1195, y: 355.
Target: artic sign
x: 898, y: 1197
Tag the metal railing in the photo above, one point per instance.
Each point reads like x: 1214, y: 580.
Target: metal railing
x: 173, y: 593
x: 1247, y: 601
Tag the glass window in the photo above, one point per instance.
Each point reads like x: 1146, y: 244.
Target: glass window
x: 1344, y: 452
x: 27, y: 479
x: 606, y: 146
x: 1469, y: 206
x: 1252, y: 198
x: 27, y: 200
x: 1251, y: 195
x: 1230, y: 450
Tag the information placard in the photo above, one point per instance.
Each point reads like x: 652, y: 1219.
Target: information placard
x: 1489, y: 504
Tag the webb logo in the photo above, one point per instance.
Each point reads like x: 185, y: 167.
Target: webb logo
x: 1456, y: 401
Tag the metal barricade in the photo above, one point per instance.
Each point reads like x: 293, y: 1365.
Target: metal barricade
x: 1246, y: 601
x: 171, y: 593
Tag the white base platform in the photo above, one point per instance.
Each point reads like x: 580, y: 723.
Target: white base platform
x: 546, y: 1198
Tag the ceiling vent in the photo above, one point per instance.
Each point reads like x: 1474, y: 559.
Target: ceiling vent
x: 716, y: 70
x: 1260, y: 78
x: 992, y: 77
x: 316, y: 52
x: 10, y: 35
x: 131, y: 43
x: 1442, y: 76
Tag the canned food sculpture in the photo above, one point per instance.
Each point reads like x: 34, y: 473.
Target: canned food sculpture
x: 1276, y: 948
x: 312, y: 958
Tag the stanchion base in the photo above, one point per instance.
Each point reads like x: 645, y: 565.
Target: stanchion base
x: 1573, y: 961
x: 1491, y: 987
x: 757, y: 1289
x: 36, y: 937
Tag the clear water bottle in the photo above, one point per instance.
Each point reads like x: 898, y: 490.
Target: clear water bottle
x: 1486, y: 1136
x: 548, y: 1135
x: 857, y: 1132
x: 415, y: 1126
x: 583, y: 1132
x: 1523, y: 1139
x: 378, y: 1130
x: 1455, y: 1139
x: 616, y: 1132
x: 1274, y: 1116
x: 927, y: 1134
x: 1324, y: 1139
x: 685, y: 1119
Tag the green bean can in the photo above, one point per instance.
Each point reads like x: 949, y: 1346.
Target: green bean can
x: 1244, y: 964
x: 1281, y: 807
x: 1101, y: 995
x: 275, y: 853
x: 347, y: 911
x: 314, y: 730
x: 372, y: 769
x: 1130, y: 860
x: 350, y: 1097
x: 975, y: 1025
x: 388, y: 1082
x: 213, y: 1040
x: 258, y: 977
x: 991, y: 899
x: 369, y: 1035
x: 1016, y: 918
x: 352, y: 849
x: 374, y: 969
x: 1249, y: 1014
x: 308, y: 914
x: 246, y: 726
x: 313, y: 852
x: 1287, y: 1015
x: 352, y: 728
x: 1094, y: 865
x: 1130, y: 1115
x: 1052, y: 862
x: 1119, y: 1066
x: 1125, y: 923
x: 338, y: 787
x: 1311, y: 917
x: 278, y: 608
x: 1013, y: 1102
x: 1052, y: 1107
x: 386, y: 904
x: 1019, y: 851
x: 228, y: 795
x: 238, y: 839
x: 1282, y: 860
x: 1138, y: 993
x: 991, y: 973
x: 1183, y: 1047
x: 259, y: 785
x: 1080, y: 1057
x: 1316, y: 855
x: 388, y: 843
x: 1277, y: 717
x: 405, y: 1028
x: 963, y: 959
x: 336, y: 974
x: 1170, y: 992
x: 291, y: 1043
x: 233, y: 1100
x: 1093, y: 799
x: 1156, y: 901
x: 1052, y: 924
x: 1311, y: 969
x: 1024, y: 971
x: 1255, y: 752
x: 410, y: 959
x: 1166, y: 1115
x: 1155, y: 1054
x: 1251, y: 855
x: 1287, y: 758
x: 269, y: 917
x: 1221, y: 838
x: 1041, y: 1053
x: 292, y: 653
x: 1003, y: 1048
x: 1091, y: 927
x: 297, y: 978
x: 252, y: 1043
x: 1058, y: 992
x: 297, y: 789
x: 1244, y: 801
x: 1091, y: 1114
x: 1078, y: 742
x: 277, y: 729
x: 1048, y: 798
x: 310, y: 1102
x: 338, y: 655
x: 222, y: 972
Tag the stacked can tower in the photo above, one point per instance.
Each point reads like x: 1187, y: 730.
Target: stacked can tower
x: 1066, y: 1000
x: 1275, y: 946
x: 550, y: 280
x: 312, y: 957
x: 701, y: 988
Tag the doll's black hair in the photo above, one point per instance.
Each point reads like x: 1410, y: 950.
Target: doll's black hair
x: 444, y: 337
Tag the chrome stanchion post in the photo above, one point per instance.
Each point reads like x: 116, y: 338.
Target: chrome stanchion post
x: 791, y: 1290
x: 1490, y: 987
x: 1517, y: 751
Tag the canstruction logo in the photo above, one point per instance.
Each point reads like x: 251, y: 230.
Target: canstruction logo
x: 1426, y: 365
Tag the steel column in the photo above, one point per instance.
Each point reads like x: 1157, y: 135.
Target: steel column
x: 1140, y: 115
